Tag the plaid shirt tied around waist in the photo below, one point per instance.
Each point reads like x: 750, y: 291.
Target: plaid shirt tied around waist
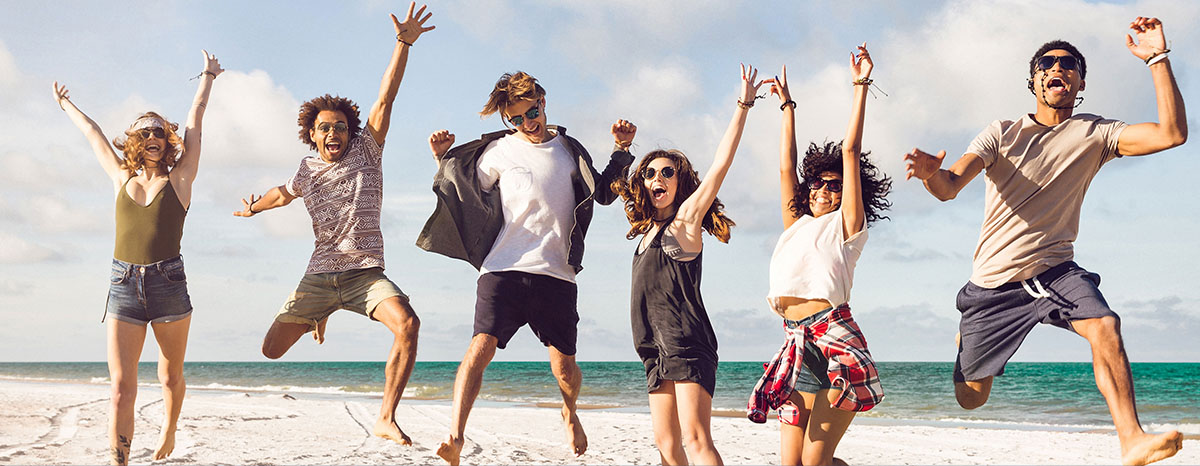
x: 851, y: 367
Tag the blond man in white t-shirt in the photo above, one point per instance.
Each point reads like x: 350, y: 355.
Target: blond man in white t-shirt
x: 1038, y: 169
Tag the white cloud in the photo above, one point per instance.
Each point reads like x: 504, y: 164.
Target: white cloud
x: 17, y: 250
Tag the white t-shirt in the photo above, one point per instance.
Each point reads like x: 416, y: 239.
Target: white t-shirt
x: 1035, y: 182
x: 538, y: 199
x: 814, y: 260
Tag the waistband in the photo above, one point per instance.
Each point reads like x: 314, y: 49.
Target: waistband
x: 818, y: 316
x: 159, y: 266
x: 1046, y: 277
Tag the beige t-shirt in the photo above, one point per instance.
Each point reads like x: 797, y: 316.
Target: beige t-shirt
x: 1036, y: 178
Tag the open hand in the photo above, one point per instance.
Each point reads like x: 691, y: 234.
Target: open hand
x: 623, y: 132
x: 412, y: 27
x: 861, y: 64
x: 922, y: 165
x: 1150, y: 39
x: 60, y: 95
x: 779, y: 85
x: 211, y: 65
x: 246, y: 212
x: 750, y: 84
x: 440, y: 142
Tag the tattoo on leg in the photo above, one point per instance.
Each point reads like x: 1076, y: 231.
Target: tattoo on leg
x: 119, y: 453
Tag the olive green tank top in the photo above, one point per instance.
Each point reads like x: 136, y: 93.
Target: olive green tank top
x: 148, y: 234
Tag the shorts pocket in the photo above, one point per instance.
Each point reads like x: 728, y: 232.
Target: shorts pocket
x: 174, y: 272
x: 119, y: 275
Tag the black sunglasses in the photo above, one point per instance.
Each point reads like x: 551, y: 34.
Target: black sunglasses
x: 532, y: 113
x: 834, y: 186
x: 340, y: 127
x: 157, y: 132
x: 667, y: 173
x: 1068, y: 62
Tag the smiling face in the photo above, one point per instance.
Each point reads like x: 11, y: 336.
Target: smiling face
x: 824, y: 200
x: 661, y: 188
x: 330, y: 133
x: 1056, y: 86
x: 154, y: 144
x: 532, y: 129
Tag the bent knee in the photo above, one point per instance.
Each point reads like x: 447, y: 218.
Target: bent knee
x: 271, y: 352
x: 970, y: 399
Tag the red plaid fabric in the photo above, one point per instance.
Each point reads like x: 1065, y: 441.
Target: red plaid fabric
x: 851, y: 367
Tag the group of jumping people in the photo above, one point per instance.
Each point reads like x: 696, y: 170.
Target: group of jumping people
x: 516, y: 204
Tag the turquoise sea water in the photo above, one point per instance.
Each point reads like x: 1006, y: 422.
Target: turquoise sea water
x: 1048, y: 394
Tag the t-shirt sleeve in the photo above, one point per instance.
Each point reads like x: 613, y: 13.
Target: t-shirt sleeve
x: 987, y: 144
x: 488, y: 168
x: 1110, y: 131
x: 371, y: 150
x: 297, y: 184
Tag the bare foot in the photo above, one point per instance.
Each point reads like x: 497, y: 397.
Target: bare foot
x: 575, y: 436
x: 450, y: 449
x: 166, y: 444
x: 1148, y: 448
x: 389, y: 430
x: 319, y: 332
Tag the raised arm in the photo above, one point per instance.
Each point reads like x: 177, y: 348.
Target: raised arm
x: 691, y: 212
x: 440, y: 142
x: 1171, y: 128
x: 853, y: 212
x: 943, y: 184
x: 104, y: 150
x: 788, y: 179
x: 275, y: 197
x: 185, y: 169
x: 407, y: 34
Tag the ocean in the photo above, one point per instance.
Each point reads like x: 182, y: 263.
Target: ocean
x: 1056, y: 396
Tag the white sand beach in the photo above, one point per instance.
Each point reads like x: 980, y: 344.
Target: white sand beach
x: 58, y: 423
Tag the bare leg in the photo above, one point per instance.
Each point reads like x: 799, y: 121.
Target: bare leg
x: 826, y: 426
x: 1115, y: 382
x: 570, y: 378
x: 398, y: 316
x: 125, y: 342
x: 281, y: 337
x: 973, y: 393
x: 664, y: 416
x: 466, y: 388
x: 172, y: 344
x: 791, y: 438
x: 695, y: 418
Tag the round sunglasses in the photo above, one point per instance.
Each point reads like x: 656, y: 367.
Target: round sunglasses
x: 533, y: 112
x: 833, y: 185
x: 667, y: 173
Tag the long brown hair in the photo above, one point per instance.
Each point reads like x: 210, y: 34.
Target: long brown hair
x: 133, y: 145
x: 640, y: 210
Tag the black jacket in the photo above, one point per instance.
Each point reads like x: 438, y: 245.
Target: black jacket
x: 467, y: 219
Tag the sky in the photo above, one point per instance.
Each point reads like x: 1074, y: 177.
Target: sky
x: 671, y: 67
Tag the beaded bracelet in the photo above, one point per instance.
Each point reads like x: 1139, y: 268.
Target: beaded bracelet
x: 863, y: 82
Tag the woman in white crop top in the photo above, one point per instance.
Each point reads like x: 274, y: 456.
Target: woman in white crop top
x: 824, y: 215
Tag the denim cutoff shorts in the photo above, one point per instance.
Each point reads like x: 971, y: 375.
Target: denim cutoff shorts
x: 144, y: 293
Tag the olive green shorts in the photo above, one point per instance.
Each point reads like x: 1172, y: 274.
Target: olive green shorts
x: 320, y: 294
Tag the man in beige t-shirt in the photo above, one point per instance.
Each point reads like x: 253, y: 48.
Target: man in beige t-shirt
x: 1038, y: 169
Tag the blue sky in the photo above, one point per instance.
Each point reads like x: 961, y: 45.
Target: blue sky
x: 671, y: 67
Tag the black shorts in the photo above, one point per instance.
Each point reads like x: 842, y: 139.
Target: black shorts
x: 506, y: 301
x: 996, y: 320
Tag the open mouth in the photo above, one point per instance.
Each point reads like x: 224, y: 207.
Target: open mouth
x: 333, y: 146
x: 658, y: 193
x: 1056, y: 84
x: 153, y: 147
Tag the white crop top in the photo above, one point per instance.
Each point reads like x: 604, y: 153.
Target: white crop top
x: 813, y: 261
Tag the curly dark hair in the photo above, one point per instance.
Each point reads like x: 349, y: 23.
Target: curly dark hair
x: 310, y: 109
x: 1059, y: 45
x: 828, y: 158
x: 640, y: 210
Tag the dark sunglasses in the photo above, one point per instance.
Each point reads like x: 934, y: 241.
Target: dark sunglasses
x: 156, y: 132
x: 326, y: 127
x: 532, y: 113
x: 1068, y: 62
x: 667, y: 173
x: 834, y: 186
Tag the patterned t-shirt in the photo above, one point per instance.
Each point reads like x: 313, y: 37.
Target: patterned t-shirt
x: 344, y: 200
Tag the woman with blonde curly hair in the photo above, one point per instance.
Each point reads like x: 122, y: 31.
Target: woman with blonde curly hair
x: 670, y: 208
x: 152, y: 180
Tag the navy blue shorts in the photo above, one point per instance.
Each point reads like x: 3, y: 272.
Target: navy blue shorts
x: 144, y: 293
x: 506, y: 301
x: 996, y: 320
